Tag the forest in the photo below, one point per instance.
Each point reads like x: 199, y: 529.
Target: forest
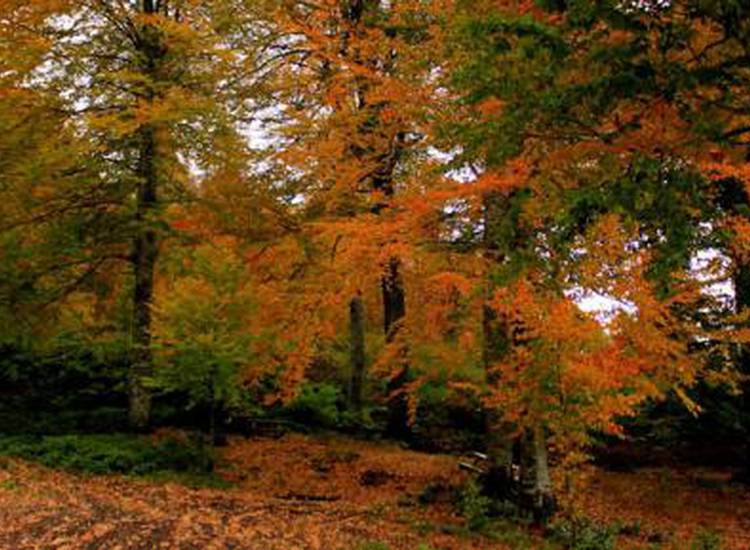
x: 374, y: 274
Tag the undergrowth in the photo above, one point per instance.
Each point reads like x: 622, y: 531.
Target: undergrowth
x: 185, y: 461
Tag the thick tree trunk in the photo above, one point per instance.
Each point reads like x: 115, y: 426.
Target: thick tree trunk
x: 145, y: 245
x: 145, y: 251
x: 536, y: 483
x: 498, y: 437
x: 734, y: 199
x: 394, y: 303
x: 742, y: 303
x: 501, y: 444
x: 357, y: 351
x: 394, y: 310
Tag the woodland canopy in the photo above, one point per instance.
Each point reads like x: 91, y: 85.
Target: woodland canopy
x: 520, y: 228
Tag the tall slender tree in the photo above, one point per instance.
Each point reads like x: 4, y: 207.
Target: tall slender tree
x: 356, y: 62
x: 154, y: 96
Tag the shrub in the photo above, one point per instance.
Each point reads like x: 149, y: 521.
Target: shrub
x: 317, y: 404
x: 203, y: 338
x: 584, y: 535
x: 474, y: 506
x: 706, y: 540
x: 116, y: 453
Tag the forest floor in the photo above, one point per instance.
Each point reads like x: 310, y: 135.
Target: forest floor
x: 298, y: 492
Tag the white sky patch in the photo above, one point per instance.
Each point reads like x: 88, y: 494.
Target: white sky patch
x: 713, y: 267
x: 604, y: 308
x: 258, y: 132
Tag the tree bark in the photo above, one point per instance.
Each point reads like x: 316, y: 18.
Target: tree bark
x: 394, y: 310
x: 145, y: 244
x: 357, y: 351
x: 495, y: 346
x: 381, y: 180
x: 145, y: 252
x: 394, y: 300
x: 734, y: 199
x: 536, y: 484
x: 742, y: 303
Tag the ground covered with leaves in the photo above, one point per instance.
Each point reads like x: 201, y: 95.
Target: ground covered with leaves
x: 298, y: 492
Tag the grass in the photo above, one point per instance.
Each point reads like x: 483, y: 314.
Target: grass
x: 10, y: 485
x: 126, y: 454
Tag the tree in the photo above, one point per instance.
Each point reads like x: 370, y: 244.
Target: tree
x: 580, y: 94
x: 203, y: 331
x: 42, y: 236
x: 153, y: 94
x: 354, y: 123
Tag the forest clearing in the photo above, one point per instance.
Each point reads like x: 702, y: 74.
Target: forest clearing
x: 342, y: 495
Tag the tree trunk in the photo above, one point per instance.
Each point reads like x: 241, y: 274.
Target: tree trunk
x: 357, y: 350
x: 381, y: 180
x: 498, y: 432
x: 536, y: 483
x: 394, y: 304
x: 495, y: 345
x: 144, y: 264
x: 734, y: 199
x: 145, y: 245
x: 495, y: 340
x: 742, y: 303
x: 394, y: 310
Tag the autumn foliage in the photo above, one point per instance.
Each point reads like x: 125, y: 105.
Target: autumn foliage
x: 535, y: 213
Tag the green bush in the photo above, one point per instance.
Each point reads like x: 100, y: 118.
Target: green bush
x: 447, y: 420
x: 584, y: 535
x: 318, y: 405
x: 202, y: 337
x: 116, y: 453
x: 474, y: 506
x: 706, y: 540
x: 62, y: 388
